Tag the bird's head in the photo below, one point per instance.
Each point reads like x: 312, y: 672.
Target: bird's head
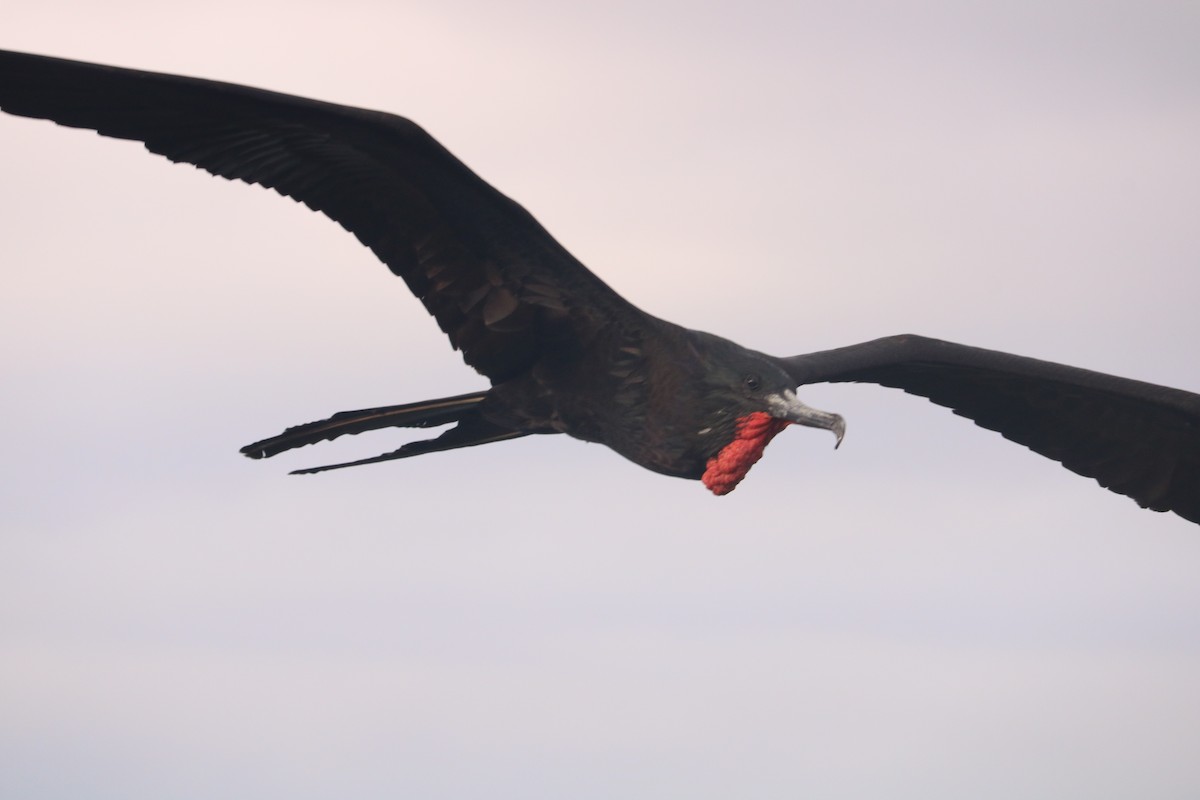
x: 750, y: 399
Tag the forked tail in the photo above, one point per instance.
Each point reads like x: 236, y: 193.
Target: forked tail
x: 472, y: 429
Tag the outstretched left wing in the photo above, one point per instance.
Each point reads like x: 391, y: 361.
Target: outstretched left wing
x: 1137, y: 439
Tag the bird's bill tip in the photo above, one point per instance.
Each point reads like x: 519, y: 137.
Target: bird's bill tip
x: 786, y: 405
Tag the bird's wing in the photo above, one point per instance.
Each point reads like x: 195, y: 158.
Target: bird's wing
x: 481, y: 264
x: 1137, y: 439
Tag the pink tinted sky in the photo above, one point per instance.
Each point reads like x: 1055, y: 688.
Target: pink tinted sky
x: 929, y: 612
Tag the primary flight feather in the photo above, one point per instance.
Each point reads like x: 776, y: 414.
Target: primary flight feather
x: 563, y: 352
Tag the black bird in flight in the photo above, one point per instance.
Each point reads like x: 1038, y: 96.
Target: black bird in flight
x: 563, y: 352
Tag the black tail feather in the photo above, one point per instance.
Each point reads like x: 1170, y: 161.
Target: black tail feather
x: 428, y: 413
x: 467, y: 433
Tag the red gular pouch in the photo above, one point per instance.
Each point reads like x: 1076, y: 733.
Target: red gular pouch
x: 726, y: 469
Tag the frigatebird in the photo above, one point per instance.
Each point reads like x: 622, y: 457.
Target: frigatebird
x: 563, y: 352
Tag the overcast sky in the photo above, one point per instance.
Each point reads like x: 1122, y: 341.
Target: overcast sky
x: 928, y: 612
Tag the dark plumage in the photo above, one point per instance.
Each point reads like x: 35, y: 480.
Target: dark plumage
x: 563, y: 352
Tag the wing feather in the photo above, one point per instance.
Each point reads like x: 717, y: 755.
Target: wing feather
x: 1138, y: 439
x: 481, y: 264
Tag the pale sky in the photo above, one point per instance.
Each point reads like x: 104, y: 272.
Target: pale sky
x: 928, y: 612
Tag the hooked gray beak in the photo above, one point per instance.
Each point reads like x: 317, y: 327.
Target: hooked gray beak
x: 785, y: 405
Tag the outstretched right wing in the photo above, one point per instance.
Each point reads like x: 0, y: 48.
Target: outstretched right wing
x: 481, y: 264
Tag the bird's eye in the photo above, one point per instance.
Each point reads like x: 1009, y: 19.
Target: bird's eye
x: 752, y: 382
